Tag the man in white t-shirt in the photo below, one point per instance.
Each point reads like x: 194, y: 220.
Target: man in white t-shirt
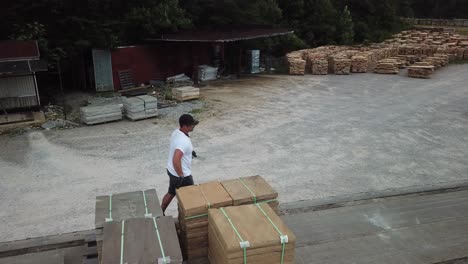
x: 179, y: 161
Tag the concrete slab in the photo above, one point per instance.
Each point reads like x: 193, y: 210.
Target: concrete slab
x: 310, y: 136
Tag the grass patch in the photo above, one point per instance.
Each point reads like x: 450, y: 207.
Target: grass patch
x: 460, y: 62
x: 196, y: 111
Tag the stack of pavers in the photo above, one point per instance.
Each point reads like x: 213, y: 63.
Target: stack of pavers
x: 130, y: 227
x: 424, y: 72
x: 185, y: 93
x: 252, y: 234
x: 387, y: 66
x: 340, y: 65
x: 296, y: 63
x: 359, y: 63
x: 193, y: 204
x: 91, y: 115
x: 151, y: 105
x: 134, y: 108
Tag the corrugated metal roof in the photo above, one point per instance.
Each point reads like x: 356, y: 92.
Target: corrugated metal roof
x: 22, y: 67
x: 223, y: 35
x: 11, y: 50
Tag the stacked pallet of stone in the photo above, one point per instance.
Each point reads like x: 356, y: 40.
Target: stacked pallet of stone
x: 340, y: 65
x: 91, y: 115
x: 134, y: 108
x: 438, y: 62
x: 194, y: 202
x: 124, y: 206
x: 141, y: 240
x: 318, y: 63
x: 424, y: 72
x: 444, y: 58
x: 151, y: 105
x: 249, y: 234
x: 185, y: 93
x: 386, y: 66
x: 297, y: 66
x: 359, y: 64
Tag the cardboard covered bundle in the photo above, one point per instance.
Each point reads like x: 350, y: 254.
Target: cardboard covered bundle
x: 124, y: 206
x: 252, y: 234
x: 194, y: 202
x: 250, y: 190
x: 424, y: 72
x: 185, y: 93
x: 142, y: 241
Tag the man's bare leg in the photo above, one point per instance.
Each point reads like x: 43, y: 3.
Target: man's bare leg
x: 166, y: 201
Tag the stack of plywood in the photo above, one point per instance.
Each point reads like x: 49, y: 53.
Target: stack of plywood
x: 194, y: 202
x: 91, y: 115
x: 249, y: 234
x: 297, y: 66
x: 359, y: 64
x: 141, y: 240
x: 386, y: 67
x: 124, y: 206
x: 185, y: 93
x: 424, y: 72
x: 341, y: 65
x: 253, y: 189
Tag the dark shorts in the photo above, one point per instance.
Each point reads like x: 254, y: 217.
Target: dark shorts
x: 175, y: 182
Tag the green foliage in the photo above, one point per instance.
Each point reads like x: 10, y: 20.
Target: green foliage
x: 345, y: 27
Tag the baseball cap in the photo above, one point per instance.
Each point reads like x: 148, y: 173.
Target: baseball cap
x: 187, y: 120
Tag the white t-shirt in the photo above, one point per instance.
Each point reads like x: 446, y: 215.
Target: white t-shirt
x: 182, y: 142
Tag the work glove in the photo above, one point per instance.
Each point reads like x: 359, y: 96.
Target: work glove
x: 194, y: 154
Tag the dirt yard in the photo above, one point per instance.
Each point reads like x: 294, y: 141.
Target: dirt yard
x: 310, y: 136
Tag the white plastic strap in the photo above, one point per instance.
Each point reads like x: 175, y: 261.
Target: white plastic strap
x: 284, y: 239
x: 165, y: 260
x: 244, y: 244
x: 109, y: 219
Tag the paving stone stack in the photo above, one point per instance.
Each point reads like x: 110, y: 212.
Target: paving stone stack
x: 319, y: 66
x: 141, y: 240
x: 134, y: 108
x: 151, y: 105
x: 91, y: 115
x: 186, y: 93
x: 194, y: 202
x: 252, y: 189
x: 124, y: 206
x: 340, y: 65
x: 252, y: 234
x: 386, y: 66
x: 424, y: 72
x: 359, y: 64
x: 297, y: 66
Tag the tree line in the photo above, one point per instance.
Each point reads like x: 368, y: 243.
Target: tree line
x: 64, y: 27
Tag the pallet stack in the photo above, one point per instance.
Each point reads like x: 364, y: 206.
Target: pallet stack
x: 297, y: 66
x: 186, y: 93
x: 141, y: 240
x: 424, y: 72
x: 134, y: 108
x: 359, y: 64
x: 249, y: 234
x: 341, y: 65
x: 194, y: 202
x: 319, y: 66
x: 92, y: 115
x: 124, y: 206
x: 387, y: 66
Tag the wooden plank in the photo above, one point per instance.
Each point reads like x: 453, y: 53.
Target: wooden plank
x: 46, y: 257
x: 126, y: 206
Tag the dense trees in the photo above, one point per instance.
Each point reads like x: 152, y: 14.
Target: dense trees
x: 65, y: 27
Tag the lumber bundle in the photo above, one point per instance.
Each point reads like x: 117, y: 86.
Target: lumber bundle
x: 185, y: 93
x: 359, y: 64
x: 124, y: 206
x: 141, y: 240
x: 249, y: 234
x: 253, y: 189
x: 297, y: 66
x: 424, y: 72
x: 194, y: 202
x: 387, y: 66
x: 92, y: 115
x: 340, y: 65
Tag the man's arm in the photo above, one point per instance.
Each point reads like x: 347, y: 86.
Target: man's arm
x: 177, y: 162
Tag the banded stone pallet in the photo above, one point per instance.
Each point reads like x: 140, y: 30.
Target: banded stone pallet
x: 193, y: 204
x: 124, y: 206
x: 252, y: 234
x: 141, y: 241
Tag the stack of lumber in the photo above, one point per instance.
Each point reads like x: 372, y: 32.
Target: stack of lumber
x: 359, y: 64
x: 194, y: 202
x: 151, y: 105
x: 124, y: 206
x: 297, y: 66
x: 424, y: 72
x: 252, y: 189
x: 186, y: 93
x: 249, y: 234
x: 91, y: 115
x: 134, y: 108
x: 141, y: 240
x: 341, y: 65
x: 386, y: 66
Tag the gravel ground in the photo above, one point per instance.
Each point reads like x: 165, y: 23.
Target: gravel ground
x: 310, y: 136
